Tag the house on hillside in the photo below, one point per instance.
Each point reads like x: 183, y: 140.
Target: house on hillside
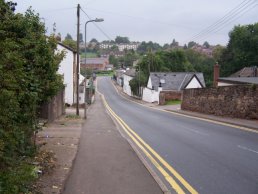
x: 171, y: 82
x: 67, y: 68
x: 127, y: 77
x: 95, y: 63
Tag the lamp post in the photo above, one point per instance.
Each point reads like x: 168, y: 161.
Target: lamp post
x: 85, y: 52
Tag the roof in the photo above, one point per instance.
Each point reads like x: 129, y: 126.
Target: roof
x: 130, y: 72
x: 67, y: 47
x: 95, y: 60
x: 174, y: 80
x: 245, y: 72
x: 239, y: 80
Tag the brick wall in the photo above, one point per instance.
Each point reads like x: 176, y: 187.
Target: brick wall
x: 169, y: 95
x: 234, y: 101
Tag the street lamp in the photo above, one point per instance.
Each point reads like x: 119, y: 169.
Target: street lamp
x: 85, y: 52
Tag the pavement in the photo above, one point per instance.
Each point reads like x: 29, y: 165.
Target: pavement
x: 252, y: 124
x: 61, y: 138
x: 106, y: 163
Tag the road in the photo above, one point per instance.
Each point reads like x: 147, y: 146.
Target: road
x: 212, y: 158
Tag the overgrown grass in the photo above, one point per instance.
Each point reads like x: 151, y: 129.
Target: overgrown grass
x: 173, y: 102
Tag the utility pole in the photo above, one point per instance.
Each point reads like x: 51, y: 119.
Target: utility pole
x: 78, y: 60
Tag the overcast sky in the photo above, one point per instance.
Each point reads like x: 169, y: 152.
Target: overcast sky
x: 147, y: 20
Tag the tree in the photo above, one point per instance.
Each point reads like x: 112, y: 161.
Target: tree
x: 120, y: 39
x: 191, y: 44
x: 241, y: 50
x: 81, y: 37
x: 113, y: 60
x: 217, y: 52
x: 206, y: 44
x: 137, y: 82
x: 166, y: 46
x: 94, y: 40
x: 68, y: 37
x: 174, y: 43
x: 144, y: 47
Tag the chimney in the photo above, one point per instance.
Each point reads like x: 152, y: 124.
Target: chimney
x: 215, y: 74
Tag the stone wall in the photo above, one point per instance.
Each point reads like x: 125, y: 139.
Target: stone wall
x: 169, y: 95
x: 239, y: 101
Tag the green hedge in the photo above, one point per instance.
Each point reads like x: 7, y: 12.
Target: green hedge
x: 28, y: 66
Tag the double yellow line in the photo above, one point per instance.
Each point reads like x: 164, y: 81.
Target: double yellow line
x: 164, y: 168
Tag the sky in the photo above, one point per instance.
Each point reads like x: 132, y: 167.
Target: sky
x: 159, y: 21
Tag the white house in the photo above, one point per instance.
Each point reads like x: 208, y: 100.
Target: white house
x: 67, y: 68
x: 170, y: 81
x: 127, y: 77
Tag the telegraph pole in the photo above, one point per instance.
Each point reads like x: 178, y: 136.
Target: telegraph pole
x: 78, y: 60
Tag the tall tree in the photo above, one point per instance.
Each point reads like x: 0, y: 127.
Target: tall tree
x: 191, y: 44
x: 206, y: 44
x: 241, y: 50
x: 174, y: 43
x: 81, y: 37
x: 120, y: 39
x: 68, y: 37
x: 94, y: 40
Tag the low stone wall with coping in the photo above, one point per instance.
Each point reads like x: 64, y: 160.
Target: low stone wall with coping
x: 239, y: 101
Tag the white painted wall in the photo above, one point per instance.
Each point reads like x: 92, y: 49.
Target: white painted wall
x: 194, y: 84
x: 81, y: 92
x: 126, y: 86
x: 149, y: 95
x: 66, y: 70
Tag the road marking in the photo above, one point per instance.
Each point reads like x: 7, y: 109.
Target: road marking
x: 140, y: 143
x: 192, y: 117
x: 245, y: 148
x: 197, y: 131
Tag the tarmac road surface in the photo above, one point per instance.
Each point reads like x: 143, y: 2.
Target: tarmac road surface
x: 208, y: 157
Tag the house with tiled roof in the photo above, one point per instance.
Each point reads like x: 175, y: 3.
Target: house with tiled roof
x: 171, y: 81
x: 247, y: 75
x: 94, y: 63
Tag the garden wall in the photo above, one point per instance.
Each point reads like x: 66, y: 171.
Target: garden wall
x: 169, y: 95
x: 239, y: 101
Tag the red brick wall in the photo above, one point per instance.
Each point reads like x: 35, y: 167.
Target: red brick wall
x: 169, y: 95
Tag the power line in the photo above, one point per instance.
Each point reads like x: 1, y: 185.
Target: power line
x: 141, y: 18
x: 225, y: 19
x: 58, y: 10
x: 105, y: 34
x: 229, y: 22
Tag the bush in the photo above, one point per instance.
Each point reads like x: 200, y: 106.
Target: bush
x: 28, y: 78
